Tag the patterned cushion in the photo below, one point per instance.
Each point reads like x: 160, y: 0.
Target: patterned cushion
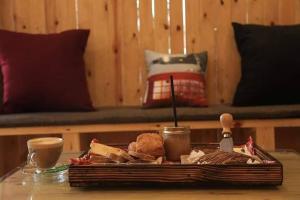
x: 188, y: 74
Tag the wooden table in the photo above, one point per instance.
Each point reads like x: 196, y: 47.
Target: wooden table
x: 17, y: 186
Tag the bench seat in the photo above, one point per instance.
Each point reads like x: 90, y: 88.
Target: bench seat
x: 264, y: 119
x: 117, y: 115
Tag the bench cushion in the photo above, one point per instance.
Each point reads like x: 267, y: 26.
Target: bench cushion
x: 137, y: 114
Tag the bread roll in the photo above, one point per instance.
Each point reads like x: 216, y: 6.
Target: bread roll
x: 150, y: 143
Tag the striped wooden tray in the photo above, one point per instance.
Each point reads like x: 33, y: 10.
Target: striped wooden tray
x: 178, y: 174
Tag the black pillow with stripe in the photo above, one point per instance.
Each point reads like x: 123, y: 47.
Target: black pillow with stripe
x: 270, y: 61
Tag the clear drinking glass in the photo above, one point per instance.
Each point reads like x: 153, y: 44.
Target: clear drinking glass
x: 43, y: 154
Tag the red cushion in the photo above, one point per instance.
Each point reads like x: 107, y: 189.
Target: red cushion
x: 188, y: 87
x: 188, y: 72
x: 44, y: 72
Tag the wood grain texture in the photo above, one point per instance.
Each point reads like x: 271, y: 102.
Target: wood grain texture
x: 223, y: 43
x: 271, y: 12
x: 130, y: 62
x: 60, y: 15
x: 297, y: 14
x: 193, y: 27
x: 30, y: 16
x: 115, y: 62
x: 125, y: 127
x: 7, y: 15
x: 176, y: 26
x: 287, y: 11
x: 255, y: 12
x: 207, y: 38
x: 100, y: 54
x: 146, y: 38
x: 161, y: 27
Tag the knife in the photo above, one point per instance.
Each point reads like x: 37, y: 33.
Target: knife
x: 226, y: 143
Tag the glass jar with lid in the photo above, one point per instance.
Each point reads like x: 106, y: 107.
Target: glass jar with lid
x: 176, y: 142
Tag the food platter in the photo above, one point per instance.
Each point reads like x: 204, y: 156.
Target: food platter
x: 106, y: 174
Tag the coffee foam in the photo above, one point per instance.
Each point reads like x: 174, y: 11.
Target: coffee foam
x: 47, y: 142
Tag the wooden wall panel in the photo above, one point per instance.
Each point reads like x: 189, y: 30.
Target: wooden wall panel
x: 205, y: 40
x: 194, y: 41
x: 60, y: 15
x: 115, y: 54
x: 297, y: 14
x: 146, y: 38
x: 161, y: 27
x: 130, y: 61
x: 176, y: 26
x: 223, y: 44
x: 7, y: 15
x: 100, y: 53
x: 255, y: 12
x: 208, y: 35
x: 271, y: 12
x: 30, y: 16
x: 287, y: 11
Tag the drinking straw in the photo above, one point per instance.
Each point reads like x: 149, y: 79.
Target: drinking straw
x: 173, y: 101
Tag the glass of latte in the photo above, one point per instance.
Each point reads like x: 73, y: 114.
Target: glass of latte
x: 43, y: 153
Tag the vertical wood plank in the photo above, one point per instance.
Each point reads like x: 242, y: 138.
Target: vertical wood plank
x: 161, y: 26
x: 287, y: 11
x: 224, y: 49
x: 193, y: 26
x: 131, y: 90
x: 271, y: 8
x: 205, y: 40
x: 146, y: 38
x: 265, y: 137
x: 215, y: 31
x: 255, y: 12
x: 98, y: 16
x: 7, y: 15
x: 176, y: 26
x: 60, y: 15
x: 30, y: 16
x: 297, y: 8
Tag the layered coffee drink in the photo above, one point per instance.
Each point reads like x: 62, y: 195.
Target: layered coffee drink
x: 176, y: 142
x: 44, y: 152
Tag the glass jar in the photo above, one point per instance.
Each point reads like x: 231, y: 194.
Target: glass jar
x: 176, y: 142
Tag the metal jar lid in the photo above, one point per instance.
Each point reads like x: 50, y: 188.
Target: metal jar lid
x: 176, y: 130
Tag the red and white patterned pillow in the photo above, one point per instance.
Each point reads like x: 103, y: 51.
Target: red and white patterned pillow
x: 188, y: 74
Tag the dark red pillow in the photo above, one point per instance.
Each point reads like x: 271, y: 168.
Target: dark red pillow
x: 44, y: 73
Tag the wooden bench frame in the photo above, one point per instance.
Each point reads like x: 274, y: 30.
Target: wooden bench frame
x: 265, y: 129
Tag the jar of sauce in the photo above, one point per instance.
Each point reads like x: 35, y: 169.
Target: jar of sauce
x: 176, y: 142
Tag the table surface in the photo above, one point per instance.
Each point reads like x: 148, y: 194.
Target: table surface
x: 19, y: 186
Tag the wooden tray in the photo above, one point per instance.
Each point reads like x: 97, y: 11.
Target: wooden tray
x: 178, y: 174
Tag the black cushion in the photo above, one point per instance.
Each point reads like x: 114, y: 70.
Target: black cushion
x: 139, y: 115
x: 270, y: 58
